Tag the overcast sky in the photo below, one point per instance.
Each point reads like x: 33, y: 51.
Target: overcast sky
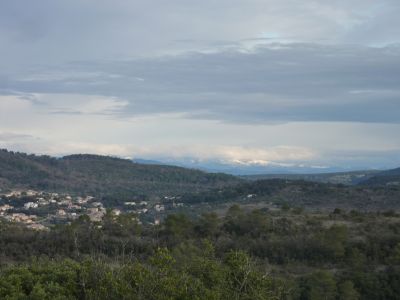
x: 247, y: 81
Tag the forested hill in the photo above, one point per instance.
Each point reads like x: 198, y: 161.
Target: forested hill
x: 101, y: 175
x: 389, y: 177
x: 347, y: 178
x: 299, y: 193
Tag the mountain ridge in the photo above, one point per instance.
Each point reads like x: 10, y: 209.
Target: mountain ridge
x: 387, y: 177
x: 96, y: 174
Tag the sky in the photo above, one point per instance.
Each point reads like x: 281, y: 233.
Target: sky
x: 255, y: 82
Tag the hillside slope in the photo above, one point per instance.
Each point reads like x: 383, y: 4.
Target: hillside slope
x: 389, y: 177
x: 102, y: 175
x: 299, y: 193
x: 347, y: 178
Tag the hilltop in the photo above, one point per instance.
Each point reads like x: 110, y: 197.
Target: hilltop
x: 102, y: 175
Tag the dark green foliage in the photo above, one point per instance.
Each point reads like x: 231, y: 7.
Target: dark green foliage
x: 287, y: 194
x: 319, y: 285
x: 243, y: 255
x: 159, y: 277
x: 389, y: 177
x: 347, y: 178
x: 113, y: 178
x: 41, y: 281
x: 115, y: 181
x: 347, y: 291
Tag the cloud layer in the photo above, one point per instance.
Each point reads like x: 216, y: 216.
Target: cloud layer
x: 275, y: 83
x: 246, y: 81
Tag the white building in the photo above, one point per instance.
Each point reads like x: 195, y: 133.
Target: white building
x: 61, y: 213
x: 159, y: 207
x: 116, y: 212
x: 29, y: 205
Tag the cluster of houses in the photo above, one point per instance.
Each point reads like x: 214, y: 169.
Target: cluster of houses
x: 38, y: 209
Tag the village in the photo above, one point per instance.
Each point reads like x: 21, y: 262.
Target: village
x: 39, y: 210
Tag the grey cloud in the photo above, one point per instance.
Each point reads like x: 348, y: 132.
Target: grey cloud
x: 275, y: 83
x: 13, y: 137
x: 360, y: 158
x: 50, y: 32
x: 251, y: 62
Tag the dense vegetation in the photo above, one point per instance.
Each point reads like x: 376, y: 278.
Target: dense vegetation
x: 115, y: 180
x: 348, y: 178
x: 100, y: 175
x: 259, y: 254
x: 345, y: 244
x: 389, y: 177
x: 305, y: 194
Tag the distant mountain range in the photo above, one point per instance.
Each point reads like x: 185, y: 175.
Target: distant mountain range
x: 240, y: 169
x: 289, y: 172
x: 279, y: 171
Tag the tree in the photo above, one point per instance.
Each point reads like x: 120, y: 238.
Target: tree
x: 346, y: 291
x: 320, y: 286
x: 207, y: 225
